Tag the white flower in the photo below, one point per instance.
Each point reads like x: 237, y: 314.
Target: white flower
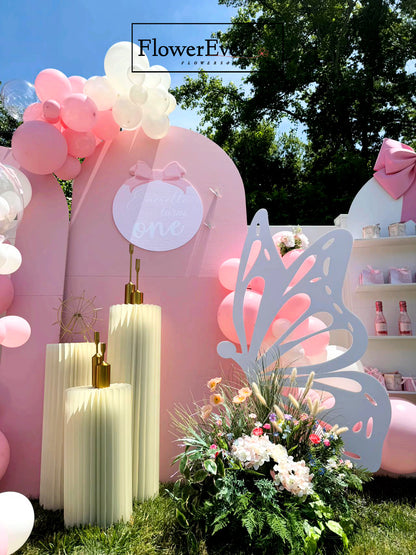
x: 252, y: 451
x: 302, y: 240
x: 287, y: 239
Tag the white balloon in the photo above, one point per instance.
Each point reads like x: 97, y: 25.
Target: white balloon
x: 117, y: 63
x: 155, y: 127
x: 25, y: 184
x: 172, y: 104
x: 4, y: 210
x: 17, y: 518
x: 157, y: 102
x: 126, y: 114
x: 153, y: 78
x: 136, y: 78
x: 100, y: 90
x: 13, y: 259
x: 15, y: 202
x: 138, y: 94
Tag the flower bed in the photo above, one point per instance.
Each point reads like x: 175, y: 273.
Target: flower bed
x: 260, y: 472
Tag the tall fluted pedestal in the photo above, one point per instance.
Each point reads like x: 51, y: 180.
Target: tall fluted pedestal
x: 134, y: 351
x: 97, y: 455
x: 67, y: 365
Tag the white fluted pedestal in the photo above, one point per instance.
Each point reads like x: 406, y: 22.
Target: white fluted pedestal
x: 134, y: 344
x: 97, y: 455
x: 67, y: 365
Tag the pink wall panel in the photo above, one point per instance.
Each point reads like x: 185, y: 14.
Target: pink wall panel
x: 42, y: 240
x: 183, y: 281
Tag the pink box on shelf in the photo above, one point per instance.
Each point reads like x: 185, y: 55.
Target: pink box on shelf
x: 400, y: 275
x: 371, y: 276
x: 409, y: 384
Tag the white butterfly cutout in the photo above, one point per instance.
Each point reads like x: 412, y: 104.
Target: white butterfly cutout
x: 361, y: 402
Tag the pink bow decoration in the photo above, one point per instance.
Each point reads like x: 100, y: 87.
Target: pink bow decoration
x: 172, y: 173
x: 395, y: 171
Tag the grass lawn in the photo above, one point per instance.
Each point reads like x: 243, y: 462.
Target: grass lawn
x: 385, y: 524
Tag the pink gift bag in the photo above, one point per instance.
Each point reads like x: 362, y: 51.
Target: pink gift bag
x: 370, y: 276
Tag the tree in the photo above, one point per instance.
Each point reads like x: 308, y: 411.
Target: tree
x: 345, y: 78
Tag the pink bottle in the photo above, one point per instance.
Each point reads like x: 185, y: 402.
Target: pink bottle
x: 380, y: 323
x: 405, y: 325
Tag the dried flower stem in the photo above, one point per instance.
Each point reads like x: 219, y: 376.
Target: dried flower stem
x: 257, y: 393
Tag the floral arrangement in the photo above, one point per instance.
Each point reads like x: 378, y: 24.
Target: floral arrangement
x: 289, y: 240
x: 261, y: 472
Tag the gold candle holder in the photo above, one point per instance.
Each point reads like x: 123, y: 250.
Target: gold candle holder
x: 137, y: 295
x: 103, y: 371
x: 96, y: 359
x: 129, y: 288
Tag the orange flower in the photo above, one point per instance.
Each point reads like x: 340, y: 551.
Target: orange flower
x: 212, y: 384
x: 206, y: 411
x: 216, y: 399
x: 245, y: 392
x: 239, y: 399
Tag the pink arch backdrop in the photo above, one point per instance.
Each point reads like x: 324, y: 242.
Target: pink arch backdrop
x: 182, y: 281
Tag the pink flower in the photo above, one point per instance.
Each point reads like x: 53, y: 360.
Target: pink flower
x: 257, y: 432
x: 266, y: 426
x: 327, y: 443
x: 213, y: 446
x: 219, y: 422
x: 315, y: 439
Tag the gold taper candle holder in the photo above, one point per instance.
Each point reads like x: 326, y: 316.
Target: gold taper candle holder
x: 137, y: 295
x: 129, y: 288
x: 103, y: 371
x: 96, y: 359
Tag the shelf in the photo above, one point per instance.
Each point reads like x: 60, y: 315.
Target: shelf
x: 385, y: 241
x: 393, y: 337
x: 401, y: 392
x: 385, y: 287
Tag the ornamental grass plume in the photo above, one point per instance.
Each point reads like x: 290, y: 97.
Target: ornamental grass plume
x: 293, y: 401
x: 257, y: 393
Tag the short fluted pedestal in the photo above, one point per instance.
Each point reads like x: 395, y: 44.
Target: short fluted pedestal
x: 134, y: 352
x: 97, y: 455
x: 67, y: 365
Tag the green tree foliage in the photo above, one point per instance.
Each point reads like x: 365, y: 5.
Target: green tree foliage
x: 345, y: 78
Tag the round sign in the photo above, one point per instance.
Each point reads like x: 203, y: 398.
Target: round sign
x: 157, y: 216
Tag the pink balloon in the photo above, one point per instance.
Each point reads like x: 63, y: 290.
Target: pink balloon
x: 52, y: 83
x: 6, y: 293
x: 293, y: 255
x: 4, y: 454
x: 279, y: 326
x: 225, y: 315
x: 70, y: 169
x: 227, y: 274
x: 105, y: 127
x: 80, y: 145
x: 77, y: 83
x: 17, y: 331
x: 399, y: 448
x: 2, y: 331
x: 39, y: 147
x: 33, y: 112
x: 315, y: 345
x: 294, y: 307
x: 51, y: 109
x: 4, y: 541
x: 79, y: 112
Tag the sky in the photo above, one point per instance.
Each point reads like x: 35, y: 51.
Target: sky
x: 74, y: 35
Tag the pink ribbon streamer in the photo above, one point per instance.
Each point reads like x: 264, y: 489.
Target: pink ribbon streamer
x: 395, y: 171
x: 172, y: 173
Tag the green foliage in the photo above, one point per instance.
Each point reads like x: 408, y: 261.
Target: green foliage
x: 345, y: 81
x: 255, y: 474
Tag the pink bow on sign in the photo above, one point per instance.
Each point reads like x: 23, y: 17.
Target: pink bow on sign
x: 172, y: 173
x: 396, y: 173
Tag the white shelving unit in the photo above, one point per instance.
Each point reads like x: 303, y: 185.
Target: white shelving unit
x: 392, y: 352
